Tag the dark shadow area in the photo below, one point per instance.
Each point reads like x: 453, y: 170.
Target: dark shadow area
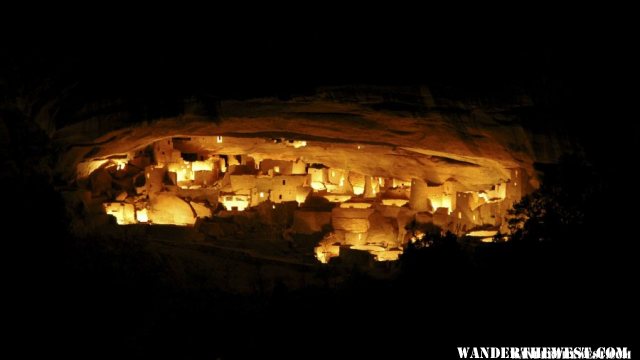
x: 567, y: 277
x: 564, y: 278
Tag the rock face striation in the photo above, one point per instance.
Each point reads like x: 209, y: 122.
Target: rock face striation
x: 352, y: 167
x: 392, y: 132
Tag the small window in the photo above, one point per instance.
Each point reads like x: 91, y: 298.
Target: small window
x: 169, y: 142
x: 459, y: 215
x: 284, y: 182
x: 280, y: 197
x: 229, y: 198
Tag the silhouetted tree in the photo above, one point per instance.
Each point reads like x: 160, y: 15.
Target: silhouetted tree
x: 559, y: 207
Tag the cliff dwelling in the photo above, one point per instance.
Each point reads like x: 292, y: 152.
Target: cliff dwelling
x: 199, y: 185
x: 311, y: 180
x: 355, y: 197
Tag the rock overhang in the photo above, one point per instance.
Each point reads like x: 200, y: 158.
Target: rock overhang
x: 470, y: 144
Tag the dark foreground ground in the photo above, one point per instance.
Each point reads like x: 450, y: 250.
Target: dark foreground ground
x: 121, y: 298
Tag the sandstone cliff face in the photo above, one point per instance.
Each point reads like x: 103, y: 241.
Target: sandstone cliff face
x: 392, y: 132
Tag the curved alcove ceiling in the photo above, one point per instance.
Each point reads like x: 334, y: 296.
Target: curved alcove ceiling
x: 473, y: 145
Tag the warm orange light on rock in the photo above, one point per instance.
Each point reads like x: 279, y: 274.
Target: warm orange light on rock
x: 366, y: 203
x: 123, y: 212
x: 235, y: 202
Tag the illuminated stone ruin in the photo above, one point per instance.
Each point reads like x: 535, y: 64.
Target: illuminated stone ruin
x: 183, y: 180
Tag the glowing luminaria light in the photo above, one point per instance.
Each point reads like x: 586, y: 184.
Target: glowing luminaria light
x: 482, y: 233
x: 124, y: 213
x: 120, y: 163
x: 325, y: 251
x: 298, y: 144
x: 142, y: 216
x: 417, y: 236
x: 202, y: 165
x: 317, y: 185
x: 301, y: 197
x: 442, y: 201
x: 219, y: 139
x: 387, y: 255
x: 394, y: 202
x: 235, y: 201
